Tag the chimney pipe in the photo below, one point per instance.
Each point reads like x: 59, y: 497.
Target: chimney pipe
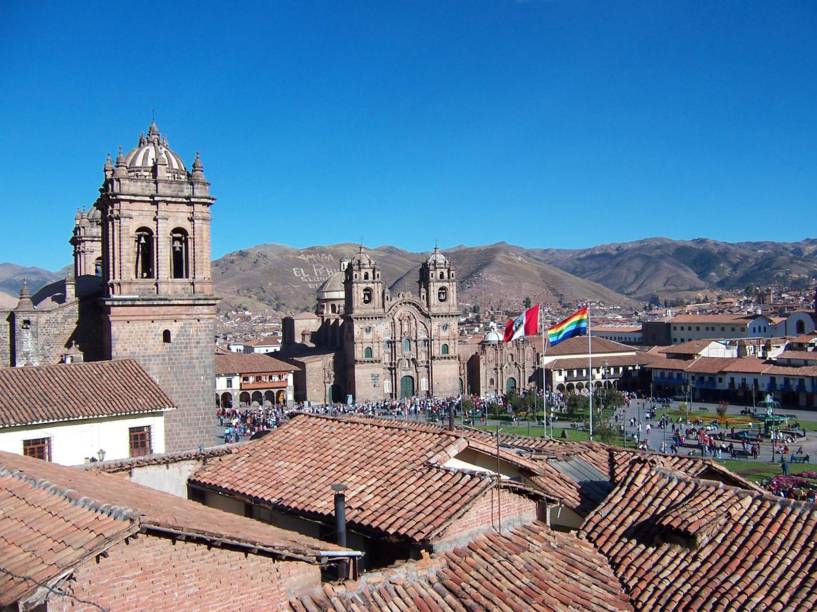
x: 340, y: 526
x: 340, y: 513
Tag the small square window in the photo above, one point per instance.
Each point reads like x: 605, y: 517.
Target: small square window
x: 39, y: 448
x: 140, y: 444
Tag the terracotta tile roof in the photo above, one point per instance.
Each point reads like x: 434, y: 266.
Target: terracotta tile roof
x: 153, y: 510
x: 747, y: 365
x: 250, y: 363
x: 804, y: 355
x: 677, y: 542
x: 397, y: 482
x: 710, y: 365
x: 693, y: 347
x: 672, y: 364
x: 780, y: 370
x: 613, y: 329
x: 622, y: 461
x: 578, y: 346
x: 48, y: 394
x: 528, y: 568
x: 598, y: 361
x: 45, y: 532
x: 724, y: 319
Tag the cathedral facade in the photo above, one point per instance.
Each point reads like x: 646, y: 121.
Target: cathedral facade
x: 378, y: 345
x: 141, y: 288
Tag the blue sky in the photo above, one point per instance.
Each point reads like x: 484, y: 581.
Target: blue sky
x: 547, y: 124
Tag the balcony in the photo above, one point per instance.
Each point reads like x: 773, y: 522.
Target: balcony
x: 264, y: 384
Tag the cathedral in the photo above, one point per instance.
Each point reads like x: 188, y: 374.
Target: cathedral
x: 365, y: 344
x: 141, y: 286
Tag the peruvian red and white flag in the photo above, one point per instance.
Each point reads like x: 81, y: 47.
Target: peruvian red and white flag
x: 526, y: 324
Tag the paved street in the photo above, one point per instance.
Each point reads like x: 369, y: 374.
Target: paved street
x: 657, y: 436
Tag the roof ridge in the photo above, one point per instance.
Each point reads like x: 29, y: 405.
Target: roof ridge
x: 716, y: 484
x: 122, y: 513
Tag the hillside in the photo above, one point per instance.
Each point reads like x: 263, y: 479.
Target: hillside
x: 285, y: 279
x: 663, y: 266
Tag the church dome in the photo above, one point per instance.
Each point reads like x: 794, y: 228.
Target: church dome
x: 361, y: 260
x: 437, y: 259
x: 153, y: 149
x: 492, y: 336
x: 332, y: 288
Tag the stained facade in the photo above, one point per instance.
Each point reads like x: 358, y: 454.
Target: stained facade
x: 141, y: 288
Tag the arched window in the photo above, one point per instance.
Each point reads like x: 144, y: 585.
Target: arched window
x: 442, y: 275
x: 166, y: 336
x: 98, y: 267
x: 334, y: 308
x: 367, y: 353
x: 144, y: 253
x: 180, y: 266
x: 367, y: 295
x: 365, y: 276
x: 406, y: 345
x: 442, y: 294
x: 444, y: 349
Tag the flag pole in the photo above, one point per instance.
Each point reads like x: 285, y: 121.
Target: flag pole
x: 544, y: 388
x: 590, y: 370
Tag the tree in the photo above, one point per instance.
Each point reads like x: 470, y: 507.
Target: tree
x: 526, y: 302
x: 575, y: 404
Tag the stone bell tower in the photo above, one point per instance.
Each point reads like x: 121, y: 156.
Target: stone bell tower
x: 363, y: 286
x: 158, y: 303
x: 438, y: 291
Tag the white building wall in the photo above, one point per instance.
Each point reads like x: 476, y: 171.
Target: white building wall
x: 73, y: 441
x: 789, y: 326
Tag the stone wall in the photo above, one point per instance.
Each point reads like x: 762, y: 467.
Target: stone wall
x: 6, y: 338
x: 183, y: 367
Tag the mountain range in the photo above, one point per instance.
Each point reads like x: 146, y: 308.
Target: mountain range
x: 284, y: 279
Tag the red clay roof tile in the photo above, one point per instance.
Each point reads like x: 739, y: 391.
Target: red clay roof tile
x: 47, y: 394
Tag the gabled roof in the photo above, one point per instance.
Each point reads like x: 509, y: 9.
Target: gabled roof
x: 527, y: 568
x: 66, y: 392
x: 54, y: 517
x: 250, y: 363
x: 692, y: 347
x: 802, y: 355
x: 677, y: 542
x: 577, y: 345
x: 397, y: 481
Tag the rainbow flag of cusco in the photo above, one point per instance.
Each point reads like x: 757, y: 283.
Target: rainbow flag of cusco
x: 574, y: 325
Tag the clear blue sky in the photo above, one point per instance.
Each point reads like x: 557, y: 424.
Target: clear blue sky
x: 542, y: 123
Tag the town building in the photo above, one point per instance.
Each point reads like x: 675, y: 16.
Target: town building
x: 80, y: 539
x: 409, y: 488
x: 253, y: 379
x: 626, y: 334
x: 788, y: 376
x: 75, y: 413
x: 141, y: 287
x: 681, y: 542
x: 383, y: 346
x: 268, y: 344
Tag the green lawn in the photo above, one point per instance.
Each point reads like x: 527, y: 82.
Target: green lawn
x: 572, y: 435
x: 762, y: 470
